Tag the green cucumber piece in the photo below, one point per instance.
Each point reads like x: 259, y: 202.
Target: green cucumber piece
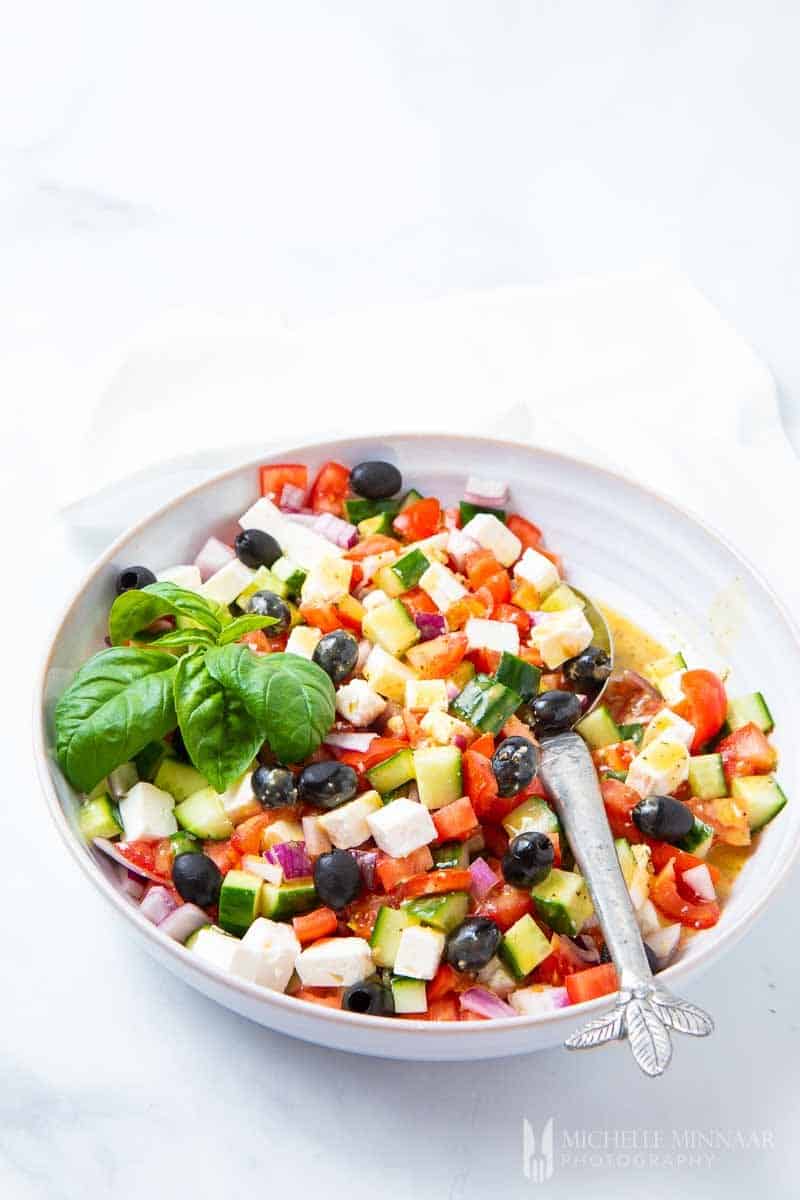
x: 599, y: 729
x: 148, y: 761
x: 438, y: 773
x: 381, y: 523
x: 204, y: 816
x: 393, y: 772
x: 522, y: 677
x: 97, y: 817
x: 562, y: 901
x: 287, y: 899
x: 289, y: 574
x: 534, y: 815
x: 410, y: 498
x: 627, y: 862
x: 444, y: 912
x: 468, y: 511
x: 409, y: 569
x: 632, y: 733
x: 409, y: 995
x: 263, y: 581
x: 485, y: 704
x: 451, y: 854
x: 707, y: 777
x: 523, y: 947
x: 744, y: 710
x: 761, y: 796
x: 698, y: 840
x: 185, y: 843
x: 359, y: 509
x: 239, y: 901
x: 386, y: 932
x: 179, y: 779
x: 391, y: 627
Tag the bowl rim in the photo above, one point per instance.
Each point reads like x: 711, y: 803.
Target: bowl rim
x: 287, y: 1003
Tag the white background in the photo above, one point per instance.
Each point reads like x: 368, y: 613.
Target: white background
x: 306, y: 159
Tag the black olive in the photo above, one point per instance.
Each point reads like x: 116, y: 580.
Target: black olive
x: 555, y: 711
x: 327, y: 784
x: 268, y: 604
x: 514, y: 764
x: 337, y: 878
x: 589, y: 668
x: 255, y: 548
x: 473, y: 943
x: 528, y: 859
x: 274, y: 787
x: 376, y: 480
x: 663, y: 817
x: 197, y: 878
x: 134, y: 577
x: 368, y: 997
x: 336, y: 653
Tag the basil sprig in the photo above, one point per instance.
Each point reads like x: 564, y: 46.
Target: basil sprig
x: 225, y: 699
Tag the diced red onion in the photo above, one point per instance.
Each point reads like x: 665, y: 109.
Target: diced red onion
x: 584, y: 702
x: 292, y: 498
x: 664, y: 942
x: 360, y: 742
x: 549, y: 999
x: 157, y: 904
x: 131, y: 885
x: 460, y: 741
x: 340, y: 532
x: 430, y: 625
x: 483, y: 878
x: 364, y: 647
x: 367, y: 861
x: 485, y: 1003
x: 114, y: 852
x: 317, y: 840
x: 492, y: 493
x: 700, y: 881
x: 586, y: 947
x: 292, y: 857
x: 459, y: 545
x: 212, y: 558
x: 183, y: 921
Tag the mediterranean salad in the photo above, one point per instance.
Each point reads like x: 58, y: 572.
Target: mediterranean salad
x: 312, y: 755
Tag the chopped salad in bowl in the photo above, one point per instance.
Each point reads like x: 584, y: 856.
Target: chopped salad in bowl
x: 313, y: 756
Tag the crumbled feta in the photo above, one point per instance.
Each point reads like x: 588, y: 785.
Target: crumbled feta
x: 538, y: 571
x: 387, y: 675
x: 373, y: 563
x: 358, y: 703
x: 214, y: 946
x: 419, y: 951
x: 427, y: 694
x: 227, y: 583
x: 303, y: 640
x: 441, y: 728
x: 336, y: 962
x: 442, y: 586
x: 266, y: 954
x: 184, y: 575
x: 297, y: 541
x: 659, y: 769
x: 375, y: 599
x: 492, y: 635
x: 271, y: 872
x: 401, y: 827
x: 561, y: 635
x: 670, y: 687
x: 238, y: 799
x: 348, y: 825
x: 281, y: 831
x: 147, y: 813
x: 669, y: 725
x: 459, y: 546
x: 327, y: 581
x: 492, y: 534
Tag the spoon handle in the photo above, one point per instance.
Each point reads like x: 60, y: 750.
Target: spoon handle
x: 643, y: 1011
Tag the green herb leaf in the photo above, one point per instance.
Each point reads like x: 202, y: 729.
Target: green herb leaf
x: 178, y: 638
x: 133, y: 611
x: 118, y: 702
x: 220, y: 734
x: 291, y: 698
x: 242, y: 625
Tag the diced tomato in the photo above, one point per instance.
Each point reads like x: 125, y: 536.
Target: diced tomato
x: 449, y: 879
x: 481, y: 786
x: 630, y: 698
x: 317, y: 924
x: 377, y: 543
x: 746, y: 751
x: 662, y: 852
x: 696, y: 914
x: 726, y: 818
x: 414, y: 731
x: 163, y: 858
x: 705, y: 705
x: 330, y: 488
x: 516, y: 616
x: 328, y: 997
x: 257, y: 640
x: 445, y: 980
x: 351, y: 613
x: 452, y: 518
x: 616, y: 757
x: 419, y: 520
x: 360, y: 915
x: 483, y: 745
x: 591, y: 983
x: 506, y: 905
x: 480, y: 565
x: 495, y: 840
x: 515, y: 728
x: 620, y: 801
x: 459, y: 613
x: 530, y: 654
x: 140, y: 853
x: 499, y: 585
x: 439, y: 657
x: 273, y: 479
x: 247, y: 836
x: 484, y: 661
x: 224, y: 855
x: 443, y: 1009
x: 455, y: 821
x: 485, y: 596
x: 322, y: 616
x: 393, y: 871
x: 379, y: 750
x: 563, y: 960
x: 529, y: 534
x: 417, y: 601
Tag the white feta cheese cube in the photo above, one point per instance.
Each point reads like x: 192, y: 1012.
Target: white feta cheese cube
x: 459, y: 546
x: 492, y: 534
x: 441, y: 728
x: 648, y: 918
x: 281, y: 831
x: 238, y: 799
x: 303, y: 545
x: 538, y: 571
x: 659, y: 769
x: 401, y: 827
x: 327, y: 581
x: 184, y: 575
x: 387, y: 674
x: 427, y: 694
x: 348, y: 825
x: 214, y: 946
x: 336, y: 962
x: 668, y: 724
x: 433, y: 547
x: 317, y: 840
x: 561, y: 635
x: 670, y: 687
x: 147, y: 813
x: 227, y: 583
x: 271, y: 872
x: 373, y: 563
x: 442, y: 586
x: 492, y: 635
x: 303, y: 640
x: 358, y: 703
x: 375, y: 599
x: 266, y: 954
x: 419, y: 951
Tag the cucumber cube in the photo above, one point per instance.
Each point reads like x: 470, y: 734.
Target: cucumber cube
x: 523, y: 947
x: 286, y: 900
x: 522, y: 677
x: 393, y: 773
x: 289, y: 574
x: 560, y: 598
x: 534, y: 815
x: 698, y: 840
x: 389, y: 924
x: 391, y: 627
x: 746, y: 709
x: 179, y: 779
x: 468, y: 511
x: 760, y: 796
x: 599, y: 729
x: 707, y: 777
x: 409, y: 995
x: 204, y: 816
x: 438, y: 773
x: 632, y: 733
x: 239, y: 901
x: 451, y: 854
x: 443, y: 912
x: 97, y: 818
x: 562, y: 901
x: 486, y: 704
x: 409, y: 569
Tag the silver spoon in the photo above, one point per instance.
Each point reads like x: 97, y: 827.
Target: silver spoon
x: 644, y: 1012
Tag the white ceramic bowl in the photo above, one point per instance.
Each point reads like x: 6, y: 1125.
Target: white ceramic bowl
x: 622, y: 544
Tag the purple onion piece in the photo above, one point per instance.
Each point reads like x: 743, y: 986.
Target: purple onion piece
x: 183, y: 921
x: 157, y: 904
x: 483, y: 878
x: 485, y: 1003
x: 291, y: 857
x: 430, y: 625
x: 367, y: 861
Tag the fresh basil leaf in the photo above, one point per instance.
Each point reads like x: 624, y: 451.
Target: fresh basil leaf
x: 178, y: 638
x: 242, y: 625
x: 119, y: 700
x: 291, y: 698
x: 220, y: 734
x: 133, y: 611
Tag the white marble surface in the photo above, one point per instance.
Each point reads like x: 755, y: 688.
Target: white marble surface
x: 307, y: 159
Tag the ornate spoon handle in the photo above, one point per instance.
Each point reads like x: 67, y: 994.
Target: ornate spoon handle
x: 643, y: 1012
